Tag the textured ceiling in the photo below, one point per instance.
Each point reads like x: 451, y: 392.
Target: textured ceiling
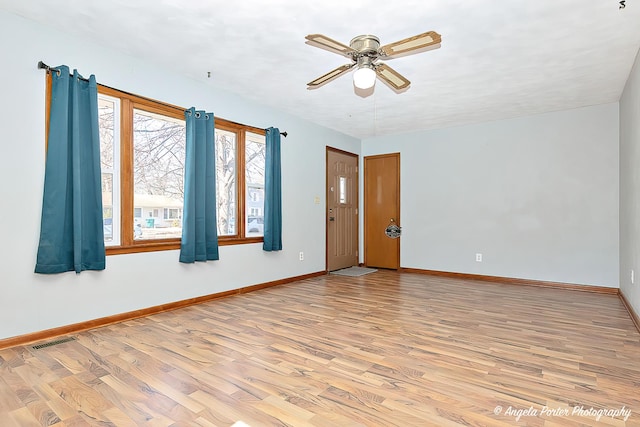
x: 499, y: 58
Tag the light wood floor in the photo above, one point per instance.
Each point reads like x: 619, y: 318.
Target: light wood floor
x: 386, y: 349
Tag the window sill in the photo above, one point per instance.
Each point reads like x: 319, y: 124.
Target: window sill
x: 169, y: 245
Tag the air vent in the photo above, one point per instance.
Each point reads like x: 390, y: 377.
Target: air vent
x: 52, y: 343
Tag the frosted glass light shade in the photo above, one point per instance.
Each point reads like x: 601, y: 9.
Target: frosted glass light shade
x: 364, y: 78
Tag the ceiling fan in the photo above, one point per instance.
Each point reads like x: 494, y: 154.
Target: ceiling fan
x: 365, y: 51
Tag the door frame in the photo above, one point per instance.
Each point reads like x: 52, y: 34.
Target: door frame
x: 396, y: 156
x: 326, y: 202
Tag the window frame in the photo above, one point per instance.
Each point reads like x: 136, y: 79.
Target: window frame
x: 129, y: 102
x: 241, y: 215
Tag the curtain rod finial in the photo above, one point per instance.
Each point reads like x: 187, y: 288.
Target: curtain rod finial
x: 284, y: 134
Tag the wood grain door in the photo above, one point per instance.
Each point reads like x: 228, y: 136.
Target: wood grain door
x: 381, y: 207
x: 342, y: 209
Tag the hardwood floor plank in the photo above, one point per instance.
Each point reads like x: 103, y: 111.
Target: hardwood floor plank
x: 385, y: 349
x: 6, y: 420
x: 21, y: 417
x: 233, y: 410
x: 82, y: 396
x: 118, y: 418
x: 125, y: 399
x: 9, y: 399
x: 29, y: 399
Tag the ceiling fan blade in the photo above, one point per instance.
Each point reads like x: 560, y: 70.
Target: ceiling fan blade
x: 326, y: 78
x: 421, y: 42
x: 324, y: 42
x: 392, y: 77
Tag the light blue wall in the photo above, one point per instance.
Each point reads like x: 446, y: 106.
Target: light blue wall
x: 30, y: 302
x: 630, y: 188
x: 537, y: 196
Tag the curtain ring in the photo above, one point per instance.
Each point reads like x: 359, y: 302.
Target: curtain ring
x: 57, y: 70
x: 197, y: 114
x: 188, y: 112
x: 207, y: 117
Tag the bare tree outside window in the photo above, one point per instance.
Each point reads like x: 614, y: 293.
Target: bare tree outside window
x: 158, y: 163
x: 106, y: 121
x: 226, y: 181
x: 106, y: 124
x: 255, y: 151
x: 142, y: 155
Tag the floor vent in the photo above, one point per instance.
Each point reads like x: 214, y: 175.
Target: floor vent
x: 52, y: 343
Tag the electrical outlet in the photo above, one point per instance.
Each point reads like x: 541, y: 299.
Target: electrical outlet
x: 301, y: 256
x: 478, y: 257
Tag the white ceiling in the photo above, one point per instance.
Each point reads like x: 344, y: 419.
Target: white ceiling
x: 499, y: 58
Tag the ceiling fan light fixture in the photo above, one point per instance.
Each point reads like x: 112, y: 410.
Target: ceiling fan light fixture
x: 364, y: 77
x: 364, y: 52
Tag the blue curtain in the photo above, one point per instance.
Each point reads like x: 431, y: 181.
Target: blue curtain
x: 273, y: 193
x: 71, y: 230
x: 199, y: 226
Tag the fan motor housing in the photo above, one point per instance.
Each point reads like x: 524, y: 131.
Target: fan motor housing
x: 365, y: 44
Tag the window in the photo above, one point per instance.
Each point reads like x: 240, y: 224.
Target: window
x: 255, y: 150
x: 343, y: 190
x: 172, y: 213
x: 226, y: 194
x: 142, y: 148
x: 239, y: 145
x: 109, y: 150
x: 159, y: 143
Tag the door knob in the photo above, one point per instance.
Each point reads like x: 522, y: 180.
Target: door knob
x: 393, y: 230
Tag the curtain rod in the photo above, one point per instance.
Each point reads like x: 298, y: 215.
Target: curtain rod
x: 43, y: 66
